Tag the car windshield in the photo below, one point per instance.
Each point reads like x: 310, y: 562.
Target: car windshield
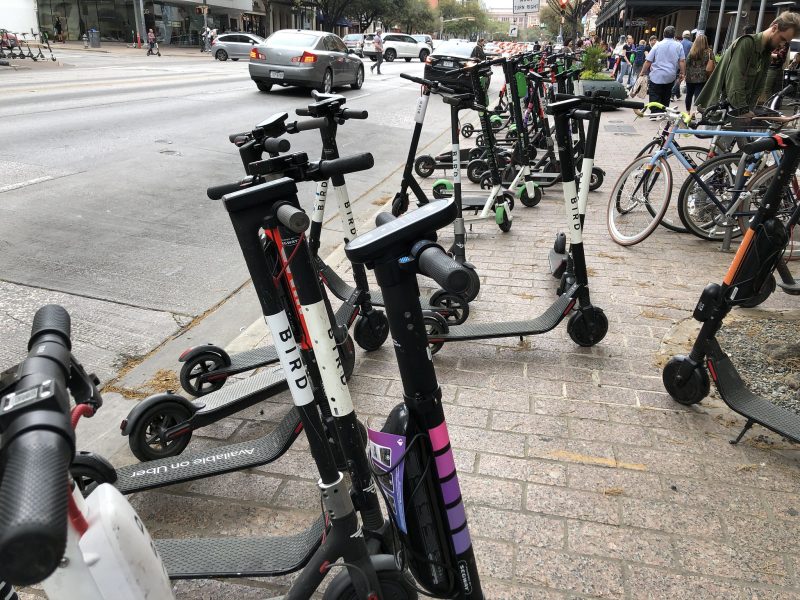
x: 292, y: 39
x: 352, y: 37
x: 451, y: 48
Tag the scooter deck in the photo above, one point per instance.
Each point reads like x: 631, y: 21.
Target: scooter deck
x: 245, y: 392
x: 541, y: 324
x: 265, y: 355
x: 240, y: 557
x: 735, y: 394
x: 207, y: 463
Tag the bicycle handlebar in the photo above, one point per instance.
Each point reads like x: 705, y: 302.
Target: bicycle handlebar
x: 766, y: 144
x: 38, y: 443
x: 433, y: 262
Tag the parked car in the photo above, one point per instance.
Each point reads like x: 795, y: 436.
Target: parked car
x: 424, y: 39
x: 447, y: 57
x: 234, y: 45
x: 8, y: 39
x: 355, y: 42
x: 398, y: 45
x: 314, y: 59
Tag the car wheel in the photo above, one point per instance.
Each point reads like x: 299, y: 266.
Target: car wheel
x: 423, y: 55
x: 389, y: 55
x: 221, y: 55
x: 359, y: 79
x: 327, y: 82
x: 263, y: 87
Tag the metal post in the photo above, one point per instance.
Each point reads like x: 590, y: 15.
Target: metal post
x: 761, y: 15
x: 738, y: 19
x: 719, y: 24
x: 205, y: 15
x: 701, y: 22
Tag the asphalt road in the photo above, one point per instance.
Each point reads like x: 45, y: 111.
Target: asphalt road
x: 104, y: 164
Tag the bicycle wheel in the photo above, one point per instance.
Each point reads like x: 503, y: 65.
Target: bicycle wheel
x: 639, y: 200
x: 697, y: 211
x: 756, y: 188
x: 696, y: 155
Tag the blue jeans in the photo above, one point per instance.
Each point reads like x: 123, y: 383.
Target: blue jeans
x: 624, y: 69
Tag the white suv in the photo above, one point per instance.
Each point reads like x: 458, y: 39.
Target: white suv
x: 397, y: 45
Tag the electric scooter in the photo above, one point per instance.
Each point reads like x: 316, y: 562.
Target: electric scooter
x: 587, y: 324
x: 686, y: 378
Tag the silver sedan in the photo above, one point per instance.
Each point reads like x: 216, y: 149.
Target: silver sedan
x: 314, y: 59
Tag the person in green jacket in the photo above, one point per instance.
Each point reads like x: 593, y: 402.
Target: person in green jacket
x: 739, y: 77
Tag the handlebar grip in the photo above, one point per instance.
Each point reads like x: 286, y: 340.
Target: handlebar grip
x: 348, y: 164
x: 292, y: 218
x: 33, y: 506
x: 350, y: 113
x: 418, y: 80
x: 452, y: 277
x: 51, y: 318
x: 766, y: 144
x: 276, y: 145
x: 216, y: 192
x: 383, y: 218
x: 298, y: 126
x: 234, y: 136
x: 445, y: 89
x: 634, y: 104
x: 302, y: 112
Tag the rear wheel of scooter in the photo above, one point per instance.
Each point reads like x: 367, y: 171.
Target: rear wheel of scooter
x: 688, y: 392
x: 147, y: 441
x: 425, y: 165
x: 435, y: 325
x: 394, y: 585
x: 454, y: 309
x: 588, y: 326
x: 475, y: 169
x: 370, y: 332
x: 480, y: 141
x: 467, y: 129
x: 221, y: 55
x: 199, y: 365
x: 596, y: 179
x: 528, y: 199
x: 765, y: 292
x: 474, y: 153
x: 442, y: 190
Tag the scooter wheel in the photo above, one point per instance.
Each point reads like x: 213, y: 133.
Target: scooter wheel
x: 394, y: 585
x: 480, y: 141
x: 454, y: 309
x: 486, y: 181
x: 504, y: 222
x: 467, y: 130
x: 531, y: 200
x: 399, y: 205
x: 371, y: 331
x: 425, y: 165
x: 560, y: 245
x: 588, y: 326
x: 434, y: 325
x: 475, y: 170
x: 347, y: 354
x: 147, y: 441
x: 199, y: 365
x: 596, y: 180
x: 690, y: 391
x: 506, y: 196
x: 474, y: 153
x: 765, y: 292
x: 440, y: 190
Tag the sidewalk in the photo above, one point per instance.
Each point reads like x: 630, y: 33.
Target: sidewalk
x: 582, y: 478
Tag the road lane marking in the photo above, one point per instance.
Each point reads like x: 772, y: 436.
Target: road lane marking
x: 22, y: 184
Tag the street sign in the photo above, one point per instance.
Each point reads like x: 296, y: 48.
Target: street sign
x: 512, y: 31
x: 526, y: 6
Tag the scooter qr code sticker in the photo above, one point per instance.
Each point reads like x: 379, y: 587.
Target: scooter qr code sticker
x: 386, y: 450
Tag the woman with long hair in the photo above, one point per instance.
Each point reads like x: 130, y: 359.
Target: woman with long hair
x: 699, y: 66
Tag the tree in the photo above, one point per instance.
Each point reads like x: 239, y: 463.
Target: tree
x: 367, y: 12
x: 411, y: 16
x: 332, y: 11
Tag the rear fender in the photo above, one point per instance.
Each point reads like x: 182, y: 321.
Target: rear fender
x: 189, y: 354
x: 129, y: 422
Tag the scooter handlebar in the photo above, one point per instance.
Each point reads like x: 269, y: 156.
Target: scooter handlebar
x: 348, y: 164
x: 434, y: 262
x: 302, y: 112
x: 604, y: 101
x: 51, y: 318
x: 351, y: 113
x: 235, y: 137
x: 434, y: 85
x: 216, y: 192
x: 298, y: 126
x: 276, y: 145
x: 292, y: 218
x: 766, y: 144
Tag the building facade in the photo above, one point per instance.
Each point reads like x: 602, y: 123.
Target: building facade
x: 522, y: 21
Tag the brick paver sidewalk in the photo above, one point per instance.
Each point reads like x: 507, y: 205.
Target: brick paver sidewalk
x: 582, y: 478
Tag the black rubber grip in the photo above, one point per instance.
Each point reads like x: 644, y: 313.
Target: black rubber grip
x: 234, y: 136
x: 767, y: 144
x: 383, y: 218
x: 348, y: 164
x: 418, y: 80
x: 51, y: 318
x: 302, y: 112
x: 292, y: 218
x: 33, y: 506
x: 307, y: 125
x: 634, y: 104
x: 351, y: 113
x: 275, y: 145
x: 435, y: 263
x: 216, y: 192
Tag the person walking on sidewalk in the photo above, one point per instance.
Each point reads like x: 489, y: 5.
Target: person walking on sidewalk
x: 662, y: 64
x: 740, y: 75
x: 686, y: 42
x: 377, y: 43
x: 151, y: 40
x: 699, y: 66
x: 59, y: 29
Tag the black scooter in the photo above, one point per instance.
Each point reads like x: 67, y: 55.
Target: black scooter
x: 686, y: 378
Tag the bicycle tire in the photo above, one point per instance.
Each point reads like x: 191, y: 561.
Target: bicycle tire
x: 756, y: 188
x: 699, y: 214
x: 630, y: 208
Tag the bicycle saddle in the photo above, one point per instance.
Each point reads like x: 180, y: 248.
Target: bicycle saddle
x: 396, y: 237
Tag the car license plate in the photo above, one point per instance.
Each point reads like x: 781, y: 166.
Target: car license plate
x: 276, y: 74
x: 447, y: 63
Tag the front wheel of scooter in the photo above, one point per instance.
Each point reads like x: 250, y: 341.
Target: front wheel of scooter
x: 371, y: 331
x: 147, y: 440
x: 598, y: 175
x: 192, y: 370
x: 689, y: 391
x: 467, y: 130
x: 588, y: 326
x: 454, y: 309
x: 530, y: 200
x: 394, y: 585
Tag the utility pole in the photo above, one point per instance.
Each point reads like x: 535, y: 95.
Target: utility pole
x: 761, y: 15
x: 701, y: 22
x: 719, y: 24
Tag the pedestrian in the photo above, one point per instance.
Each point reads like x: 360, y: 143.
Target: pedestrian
x: 204, y: 39
x: 686, y: 42
x: 478, y: 52
x: 665, y: 64
x: 618, y: 53
x: 151, y: 40
x: 59, y: 30
x: 639, y: 52
x: 377, y: 43
x: 699, y: 66
x: 739, y: 76
x: 625, y: 65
